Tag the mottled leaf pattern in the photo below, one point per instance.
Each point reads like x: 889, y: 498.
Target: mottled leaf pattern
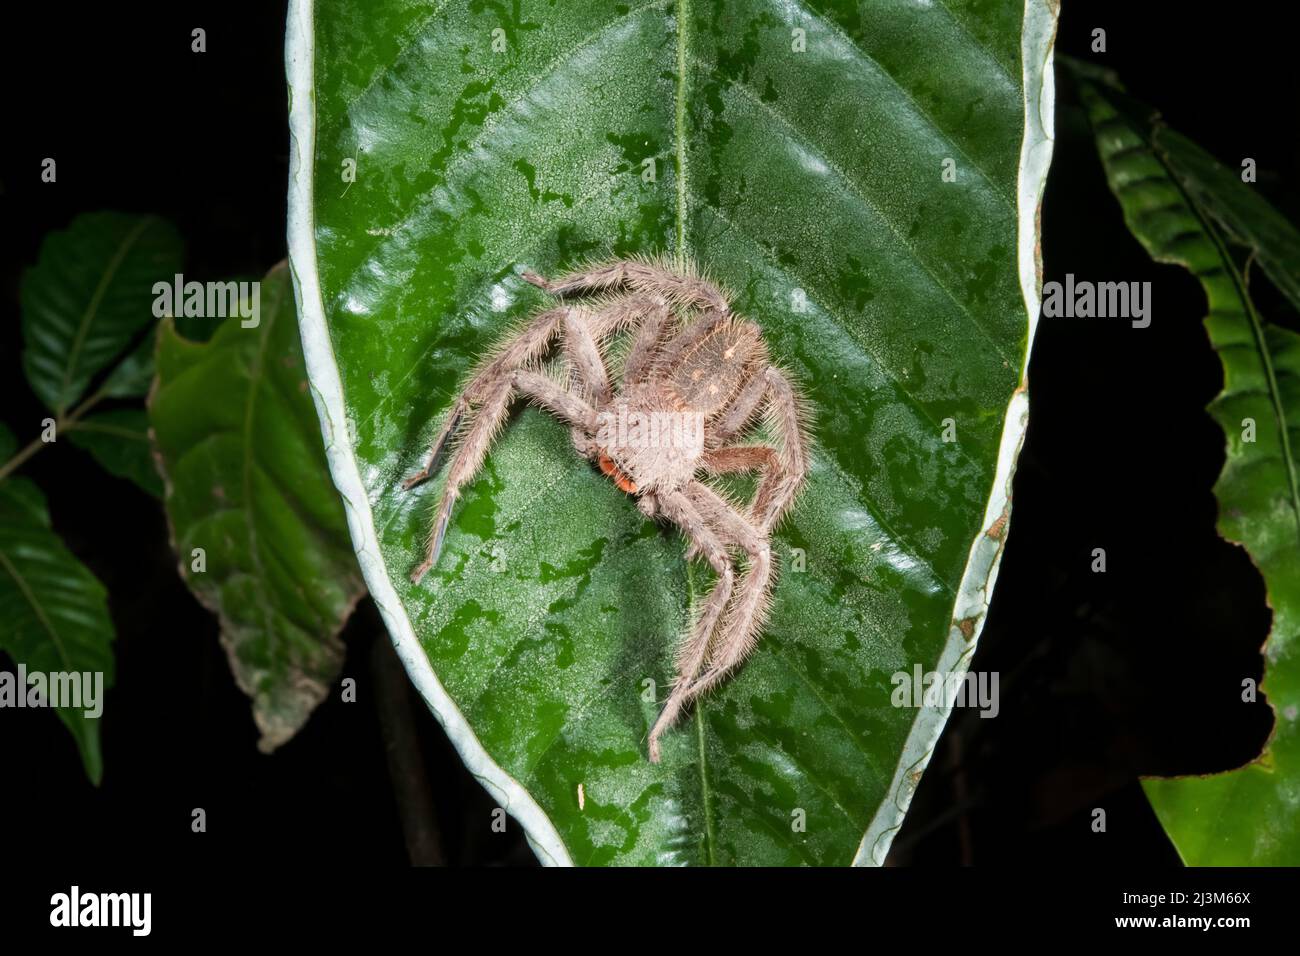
x: 246, y: 484
x: 852, y: 173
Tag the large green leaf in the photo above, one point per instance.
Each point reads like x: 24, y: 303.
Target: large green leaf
x: 55, y: 612
x: 798, y: 152
x: 88, y: 297
x: 246, y: 483
x: 1187, y: 209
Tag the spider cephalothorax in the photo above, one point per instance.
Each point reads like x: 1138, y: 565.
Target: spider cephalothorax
x: 695, y: 380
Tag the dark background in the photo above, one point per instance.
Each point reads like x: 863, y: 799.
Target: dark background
x: 1104, y: 677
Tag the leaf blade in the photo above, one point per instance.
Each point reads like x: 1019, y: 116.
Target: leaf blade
x: 1187, y: 210
x: 88, y: 296
x: 238, y: 446
x: 55, y: 611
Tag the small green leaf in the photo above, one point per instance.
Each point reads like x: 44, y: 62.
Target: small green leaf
x: 250, y: 502
x: 1240, y: 211
x: 1186, y: 208
x: 119, y: 440
x: 89, y: 296
x: 132, y: 376
x: 55, y: 612
x: 866, y: 185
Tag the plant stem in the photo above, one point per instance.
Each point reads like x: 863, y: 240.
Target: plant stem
x: 61, y: 424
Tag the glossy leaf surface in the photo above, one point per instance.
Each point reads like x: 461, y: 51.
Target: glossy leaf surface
x: 89, y: 298
x: 855, y: 176
x: 55, y: 612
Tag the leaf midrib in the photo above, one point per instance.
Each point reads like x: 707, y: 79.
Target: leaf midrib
x: 1270, y: 373
x: 36, y: 606
x: 1256, y: 323
x: 254, y: 383
x: 679, y: 131
x: 92, y: 309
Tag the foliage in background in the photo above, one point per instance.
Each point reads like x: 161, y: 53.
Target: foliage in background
x: 54, y: 611
x: 1187, y: 208
x: 89, y: 338
x: 86, y: 332
x: 256, y: 523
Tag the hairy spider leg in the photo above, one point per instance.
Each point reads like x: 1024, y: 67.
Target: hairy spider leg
x: 641, y: 275
x: 783, y: 469
x: 736, y: 634
x: 691, y: 653
x: 583, y: 355
x: 649, y: 337
x: 783, y: 479
x: 486, y: 399
x: 529, y: 344
x: 471, y: 451
x: 784, y: 472
x: 744, y: 405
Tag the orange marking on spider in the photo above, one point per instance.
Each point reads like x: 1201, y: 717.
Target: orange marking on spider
x: 624, y: 483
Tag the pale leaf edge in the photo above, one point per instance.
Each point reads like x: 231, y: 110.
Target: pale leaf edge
x: 971, y: 607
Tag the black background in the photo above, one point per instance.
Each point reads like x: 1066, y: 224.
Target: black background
x: 1104, y: 677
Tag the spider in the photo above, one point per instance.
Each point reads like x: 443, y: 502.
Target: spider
x: 695, y: 380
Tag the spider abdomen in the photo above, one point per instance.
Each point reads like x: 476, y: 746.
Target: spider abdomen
x: 710, y: 371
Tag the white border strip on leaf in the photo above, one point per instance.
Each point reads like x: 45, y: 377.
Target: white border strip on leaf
x: 976, y: 589
x: 327, y: 391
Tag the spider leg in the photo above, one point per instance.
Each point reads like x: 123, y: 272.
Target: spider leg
x: 690, y: 291
x: 599, y: 278
x: 783, y: 469
x: 582, y: 347
x: 692, y: 652
x: 732, y: 459
x: 528, y: 345
x: 657, y: 322
x: 433, y: 460
x: 738, y: 633
x: 779, y: 484
x: 737, y: 458
x: 585, y: 362
x: 487, y: 421
x: 733, y: 419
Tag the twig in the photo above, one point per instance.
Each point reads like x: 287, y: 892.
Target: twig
x: 61, y: 424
